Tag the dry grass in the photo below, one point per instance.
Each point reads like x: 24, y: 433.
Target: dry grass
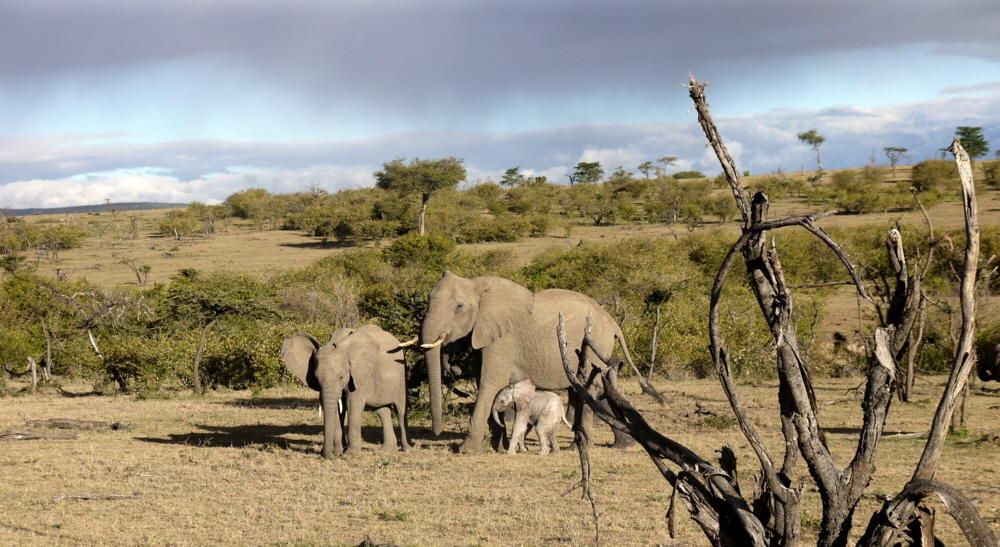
x: 234, y: 469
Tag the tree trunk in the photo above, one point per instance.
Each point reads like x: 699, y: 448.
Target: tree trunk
x: 197, y: 356
x: 34, y: 374
x: 48, y: 351
x: 423, y: 211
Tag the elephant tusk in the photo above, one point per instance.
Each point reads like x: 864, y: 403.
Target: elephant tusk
x: 410, y: 342
x: 436, y: 342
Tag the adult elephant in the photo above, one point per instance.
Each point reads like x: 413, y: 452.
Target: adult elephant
x: 513, y: 335
x: 365, y: 368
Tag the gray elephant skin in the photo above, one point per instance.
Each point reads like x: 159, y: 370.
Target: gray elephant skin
x: 365, y: 368
x: 512, y: 332
x: 541, y: 409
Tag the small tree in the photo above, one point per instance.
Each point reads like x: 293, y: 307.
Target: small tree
x: 814, y: 140
x: 646, y: 167
x: 894, y: 153
x: 667, y: 161
x: 972, y: 141
x: 587, y: 173
x: 423, y: 177
x: 512, y: 178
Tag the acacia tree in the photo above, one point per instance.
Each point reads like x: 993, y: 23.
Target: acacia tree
x: 512, y: 178
x: 588, y: 172
x: 814, y: 140
x: 423, y: 177
x: 667, y: 161
x: 894, y: 153
x: 646, y: 167
x: 973, y: 141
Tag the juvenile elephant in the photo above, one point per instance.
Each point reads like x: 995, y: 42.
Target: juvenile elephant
x: 513, y: 336
x: 542, y: 409
x: 365, y: 368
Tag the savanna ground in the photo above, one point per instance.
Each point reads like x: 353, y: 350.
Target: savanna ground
x: 243, y: 468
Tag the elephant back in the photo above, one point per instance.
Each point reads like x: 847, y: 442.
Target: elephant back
x: 387, y: 343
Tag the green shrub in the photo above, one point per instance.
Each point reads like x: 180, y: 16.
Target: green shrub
x: 939, y: 175
x: 425, y: 251
x: 689, y: 175
x: 243, y: 355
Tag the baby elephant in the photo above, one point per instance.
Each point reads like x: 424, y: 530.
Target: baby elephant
x: 543, y: 410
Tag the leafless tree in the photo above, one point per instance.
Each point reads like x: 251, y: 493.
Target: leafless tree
x: 771, y: 517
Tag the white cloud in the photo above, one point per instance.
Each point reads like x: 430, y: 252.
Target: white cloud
x: 47, y: 171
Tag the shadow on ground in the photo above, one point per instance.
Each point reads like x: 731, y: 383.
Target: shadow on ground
x: 286, y: 437
x: 275, y: 403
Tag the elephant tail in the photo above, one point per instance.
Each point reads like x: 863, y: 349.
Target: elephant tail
x: 565, y: 421
x: 644, y: 384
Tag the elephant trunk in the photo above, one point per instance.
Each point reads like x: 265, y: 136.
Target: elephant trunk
x: 434, y: 365
x: 496, y: 412
x: 333, y: 434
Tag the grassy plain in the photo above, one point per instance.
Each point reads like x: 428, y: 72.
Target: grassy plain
x: 236, y: 468
x: 242, y: 468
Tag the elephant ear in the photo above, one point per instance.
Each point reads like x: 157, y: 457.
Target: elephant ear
x: 364, y: 353
x: 503, y: 305
x: 296, y: 352
x: 522, y: 391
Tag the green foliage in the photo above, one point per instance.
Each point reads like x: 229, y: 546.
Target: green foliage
x: 973, y: 141
x: 939, y: 175
x: 427, y: 252
x: 688, y: 175
x: 597, y: 202
x: 195, y: 298
x: 860, y: 193
x: 422, y: 177
x: 182, y: 222
x: 512, y: 178
x: 587, y: 173
x: 245, y: 354
x: 533, y: 198
x: 137, y: 364
x: 991, y: 173
x: 256, y: 205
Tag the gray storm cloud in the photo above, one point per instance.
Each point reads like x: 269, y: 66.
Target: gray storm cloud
x: 409, y: 51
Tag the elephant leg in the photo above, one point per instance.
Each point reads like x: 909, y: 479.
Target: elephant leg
x: 544, y: 439
x: 488, y: 389
x: 355, y: 408
x: 517, y: 435
x: 401, y: 417
x: 552, y: 438
x: 388, y: 435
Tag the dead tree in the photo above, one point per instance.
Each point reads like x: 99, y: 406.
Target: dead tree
x: 711, y: 495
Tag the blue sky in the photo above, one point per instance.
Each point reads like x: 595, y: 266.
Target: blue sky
x: 194, y: 100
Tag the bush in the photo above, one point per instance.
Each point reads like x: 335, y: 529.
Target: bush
x: 244, y: 355
x: 136, y: 364
x: 939, y: 175
x: 689, y: 175
x: 991, y: 173
x: 425, y: 251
